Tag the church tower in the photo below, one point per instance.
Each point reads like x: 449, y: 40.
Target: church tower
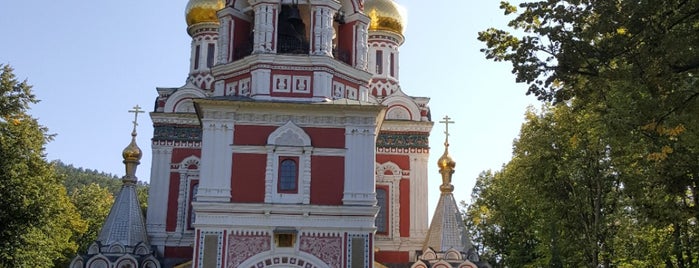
x: 402, y: 144
x: 291, y: 142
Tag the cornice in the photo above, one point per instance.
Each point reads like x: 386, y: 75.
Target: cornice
x: 405, y: 126
x: 291, y: 62
x: 268, y: 209
x: 159, y: 118
x: 303, y: 114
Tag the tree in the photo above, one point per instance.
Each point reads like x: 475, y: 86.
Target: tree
x: 631, y: 67
x: 93, y: 202
x: 38, y: 220
x: 567, y: 45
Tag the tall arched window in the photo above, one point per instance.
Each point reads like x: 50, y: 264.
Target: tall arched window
x: 288, y: 176
x: 382, y: 217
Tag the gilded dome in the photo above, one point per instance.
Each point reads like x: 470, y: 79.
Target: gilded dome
x: 198, y: 11
x: 445, y: 162
x: 132, y: 152
x: 386, y: 15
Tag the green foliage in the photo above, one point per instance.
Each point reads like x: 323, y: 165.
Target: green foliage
x: 93, y: 203
x: 77, y: 177
x: 610, y: 174
x: 37, y: 219
x: 92, y: 192
x: 653, y: 42
x: 580, y: 192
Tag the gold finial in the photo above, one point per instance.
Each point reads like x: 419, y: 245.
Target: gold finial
x: 445, y: 163
x: 446, y: 123
x: 132, y: 154
x: 136, y: 110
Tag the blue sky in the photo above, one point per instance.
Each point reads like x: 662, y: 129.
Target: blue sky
x: 92, y: 61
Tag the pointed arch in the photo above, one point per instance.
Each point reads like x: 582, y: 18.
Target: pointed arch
x: 288, y: 144
x: 289, y: 135
x: 98, y: 261
x: 126, y: 261
x: 441, y: 264
x: 419, y: 264
x: 453, y: 254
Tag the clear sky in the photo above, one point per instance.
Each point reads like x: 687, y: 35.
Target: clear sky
x: 92, y: 61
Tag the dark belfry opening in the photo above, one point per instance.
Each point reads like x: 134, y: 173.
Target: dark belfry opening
x: 291, y: 31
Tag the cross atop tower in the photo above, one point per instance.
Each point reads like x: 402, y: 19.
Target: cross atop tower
x: 446, y: 123
x: 136, y: 110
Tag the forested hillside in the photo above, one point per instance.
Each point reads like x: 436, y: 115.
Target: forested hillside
x: 92, y: 192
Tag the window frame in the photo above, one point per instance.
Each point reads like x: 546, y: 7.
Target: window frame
x: 280, y: 171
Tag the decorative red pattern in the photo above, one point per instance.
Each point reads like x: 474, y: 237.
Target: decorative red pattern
x: 242, y: 247
x: 326, y: 248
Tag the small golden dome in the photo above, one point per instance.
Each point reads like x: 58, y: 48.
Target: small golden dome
x: 132, y: 152
x: 445, y: 162
x: 386, y: 15
x: 199, y: 11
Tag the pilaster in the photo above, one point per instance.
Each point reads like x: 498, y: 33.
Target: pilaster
x: 322, y: 30
x: 216, y: 157
x: 359, y: 166
x: 264, y: 30
x: 419, y: 195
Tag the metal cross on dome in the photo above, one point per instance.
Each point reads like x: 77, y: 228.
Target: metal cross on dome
x: 446, y: 123
x: 136, y: 110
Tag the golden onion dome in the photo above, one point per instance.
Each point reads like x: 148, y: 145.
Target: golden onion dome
x: 385, y: 15
x: 445, y: 162
x: 132, y: 152
x: 199, y: 11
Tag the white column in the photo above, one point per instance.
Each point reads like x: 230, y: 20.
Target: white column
x: 225, y: 50
x: 360, y: 188
x: 322, y: 30
x: 158, y: 192
x: 216, y: 157
x: 362, y: 47
x: 265, y: 16
x: 418, y: 195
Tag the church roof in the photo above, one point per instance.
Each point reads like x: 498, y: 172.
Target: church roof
x: 447, y: 229
x: 447, y: 237
x: 125, y: 224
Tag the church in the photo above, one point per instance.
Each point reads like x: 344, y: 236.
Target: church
x: 291, y: 144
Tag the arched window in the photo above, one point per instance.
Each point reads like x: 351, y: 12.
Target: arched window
x: 382, y: 217
x: 288, y: 176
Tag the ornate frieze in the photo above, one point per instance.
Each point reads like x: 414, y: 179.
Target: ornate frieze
x: 176, y: 133
x: 243, y: 245
x: 403, y: 140
x: 327, y: 247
